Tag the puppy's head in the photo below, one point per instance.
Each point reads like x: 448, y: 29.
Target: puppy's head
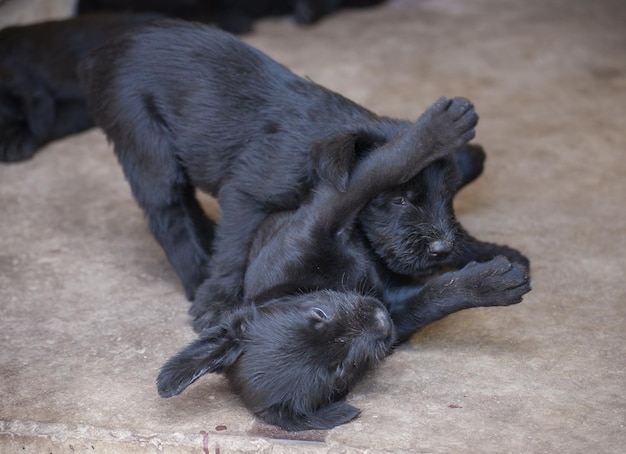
x: 293, y: 359
x: 412, y: 228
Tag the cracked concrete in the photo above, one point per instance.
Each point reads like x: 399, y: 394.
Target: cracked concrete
x: 90, y: 309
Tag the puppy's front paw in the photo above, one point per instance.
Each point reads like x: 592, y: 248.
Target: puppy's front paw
x: 448, y: 124
x: 497, y: 282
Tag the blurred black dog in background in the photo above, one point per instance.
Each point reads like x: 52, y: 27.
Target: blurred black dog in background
x: 235, y: 16
x: 40, y: 98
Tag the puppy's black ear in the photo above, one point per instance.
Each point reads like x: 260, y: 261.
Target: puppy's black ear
x: 216, y: 350
x: 39, y: 109
x: 334, y: 157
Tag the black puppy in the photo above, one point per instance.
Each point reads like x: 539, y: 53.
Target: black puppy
x: 224, y: 118
x: 295, y: 357
x: 40, y: 98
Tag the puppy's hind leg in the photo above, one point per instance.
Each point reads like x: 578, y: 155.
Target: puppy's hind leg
x: 161, y: 187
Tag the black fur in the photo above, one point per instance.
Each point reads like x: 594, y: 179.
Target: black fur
x: 40, y: 98
x: 235, y: 16
x: 224, y: 118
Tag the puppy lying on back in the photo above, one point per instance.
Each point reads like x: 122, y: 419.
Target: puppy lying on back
x: 40, y: 99
x: 294, y: 351
x: 224, y: 118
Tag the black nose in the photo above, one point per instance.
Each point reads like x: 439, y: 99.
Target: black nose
x: 440, y: 248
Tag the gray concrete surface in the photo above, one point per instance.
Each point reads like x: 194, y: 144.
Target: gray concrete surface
x: 90, y: 309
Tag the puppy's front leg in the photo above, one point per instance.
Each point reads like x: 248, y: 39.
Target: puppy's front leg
x: 443, y: 128
x: 497, y: 282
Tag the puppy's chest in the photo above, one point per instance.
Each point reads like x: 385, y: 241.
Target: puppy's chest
x: 338, y: 268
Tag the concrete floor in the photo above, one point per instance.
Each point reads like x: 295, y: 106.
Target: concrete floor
x: 90, y: 309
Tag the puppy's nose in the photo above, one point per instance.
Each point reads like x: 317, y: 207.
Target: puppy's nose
x: 440, y: 248
x: 383, y: 322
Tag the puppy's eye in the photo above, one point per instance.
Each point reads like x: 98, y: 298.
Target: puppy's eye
x: 319, y: 313
x: 399, y: 201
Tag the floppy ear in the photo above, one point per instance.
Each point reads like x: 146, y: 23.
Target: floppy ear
x: 39, y: 109
x: 334, y: 157
x: 216, y: 350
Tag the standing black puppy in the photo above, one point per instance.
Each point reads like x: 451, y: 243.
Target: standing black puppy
x: 293, y: 352
x: 40, y: 98
x: 222, y: 117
